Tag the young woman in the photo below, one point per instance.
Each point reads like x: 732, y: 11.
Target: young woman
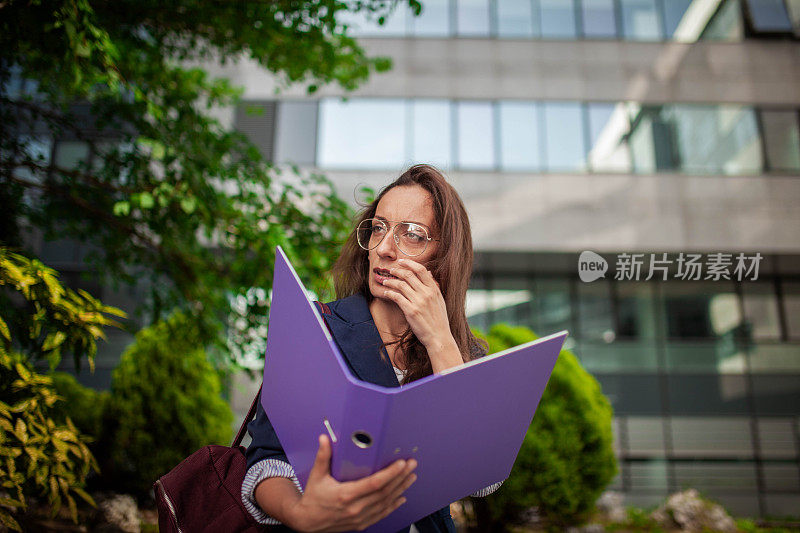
x: 401, y: 280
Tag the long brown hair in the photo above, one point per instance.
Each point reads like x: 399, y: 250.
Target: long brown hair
x: 451, y: 266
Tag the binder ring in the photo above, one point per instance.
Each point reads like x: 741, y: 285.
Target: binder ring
x: 362, y: 439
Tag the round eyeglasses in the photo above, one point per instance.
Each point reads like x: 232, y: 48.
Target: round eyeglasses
x: 411, y: 238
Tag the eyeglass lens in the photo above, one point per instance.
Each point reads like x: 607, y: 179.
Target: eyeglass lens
x: 411, y: 239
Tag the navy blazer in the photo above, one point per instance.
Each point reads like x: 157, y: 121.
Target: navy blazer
x: 354, y: 332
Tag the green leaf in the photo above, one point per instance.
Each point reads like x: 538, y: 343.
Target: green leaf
x: 146, y: 200
x: 188, y: 205
x: 122, y: 209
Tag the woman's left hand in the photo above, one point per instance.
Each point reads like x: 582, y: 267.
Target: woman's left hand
x: 419, y: 297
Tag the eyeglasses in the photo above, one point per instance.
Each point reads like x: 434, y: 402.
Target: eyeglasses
x: 412, y: 239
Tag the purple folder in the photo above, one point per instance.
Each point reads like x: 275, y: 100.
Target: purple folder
x: 464, y: 427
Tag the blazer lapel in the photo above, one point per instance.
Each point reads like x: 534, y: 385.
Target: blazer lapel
x: 358, y: 339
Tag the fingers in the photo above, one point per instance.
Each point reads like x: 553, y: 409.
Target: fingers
x: 407, y: 275
x: 322, y: 462
x: 422, y: 273
x: 396, y: 487
x: 377, y: 481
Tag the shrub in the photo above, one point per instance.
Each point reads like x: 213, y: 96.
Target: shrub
x: 567, y: 457
x: 42, y: 453
x: 165, y: 404
x: 83, y: 405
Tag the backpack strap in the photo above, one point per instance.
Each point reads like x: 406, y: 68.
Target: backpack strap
x: 253, y: 406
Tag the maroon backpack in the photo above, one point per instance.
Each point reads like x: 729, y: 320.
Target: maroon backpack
x: 204, y: 492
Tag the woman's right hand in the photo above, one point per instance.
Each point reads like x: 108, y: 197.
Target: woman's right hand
x: 330, y: 505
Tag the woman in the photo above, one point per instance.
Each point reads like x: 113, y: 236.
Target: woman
x: 401, y: 281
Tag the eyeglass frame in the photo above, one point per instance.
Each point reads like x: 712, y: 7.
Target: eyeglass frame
x: 391, y: 225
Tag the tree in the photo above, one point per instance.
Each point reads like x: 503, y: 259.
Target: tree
x: 165, y: 194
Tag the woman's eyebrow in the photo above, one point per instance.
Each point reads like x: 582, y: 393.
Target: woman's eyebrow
x: 412, y: 221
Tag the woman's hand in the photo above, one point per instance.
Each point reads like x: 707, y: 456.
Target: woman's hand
x: 419, y: 297
x: 328, y: 505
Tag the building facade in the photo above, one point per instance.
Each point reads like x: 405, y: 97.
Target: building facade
x: 665, y: 128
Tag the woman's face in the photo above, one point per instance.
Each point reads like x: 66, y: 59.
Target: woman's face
x: 406, y: 203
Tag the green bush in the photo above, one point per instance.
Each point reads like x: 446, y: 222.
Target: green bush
x: 83, y: 405
x: 165, y: 404
x: 567, y: 457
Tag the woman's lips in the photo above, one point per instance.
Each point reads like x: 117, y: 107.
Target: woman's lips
x: 382, y: 274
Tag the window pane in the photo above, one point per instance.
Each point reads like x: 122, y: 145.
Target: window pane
x: 761, y: 310
x: 701, y: 436
x: 364, y: 24
x: 608, y: 126
x: 715, y: 476
x: 519, y: 136
x: 632, y: 394
x: 599, y: 19
x: 640, y: 20
x: 515, y: 18
x: 697, y: 394
x: 776, y: 438
x: 432, y: 132
x: 621, y: 356
x: 550, y: 306
x: 794, y: 15
x: 769, y: 15
x: 295, y: 132
x: 472, y: 17
x: 674, y: 10
x: 699, y: 309
x: 782, y: 139
x: 791, y: 307
x: 434, y: 21
x: 564, y: 145
x: 595, y: 316
x: 777, y: 395
x: 558, y: 19
x: 716, y: 139
x: 475, y: 135
x: 362, y: 134
x: 646, y: 435
x: 636, y: 311
x: 726, y: 24
x: 647, y: 476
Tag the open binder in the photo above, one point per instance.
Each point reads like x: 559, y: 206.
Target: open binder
x: 464, y: 427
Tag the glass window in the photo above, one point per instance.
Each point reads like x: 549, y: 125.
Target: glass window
x: 608, y: 126
x: 557, y: 18
x: 699, y: 309
x: 711, y: 476
x: 632, y: 394
x: 640, y: 20
x: 71, y: 154
x: 646, y: 129
x: 361, y: 134
x: 701, y: 436
x: 635, y: 310
x: 519, y: 136
x: 794, y: 14
x: 716, y: 139
x: 776, y: 395
x: 769, y: 15
x: 295, y: 132
x: 619, y: 356
x: 472, y: 17
x: 707, y: 394
x: 674, y: 10
x: 791, y: 308
x: 432, y: 142
x: 776, y: 438
x: 599, y: 19
x: 781, y: 139
x: 781, y: 477
x: 774, y: 357
x: 515, y: 18
x: 564, y: 138
x: 647, y: 476
x: 434, y: 21
x: 761, y: 310
x: 475, y: 135
x: 365, y: 24
x: 645, y: 435
x: 595, y: 315
x: 551, y: 308
x: 726, y: 24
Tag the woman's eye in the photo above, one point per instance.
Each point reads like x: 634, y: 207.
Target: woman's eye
x: 416, y: 237
x: 378, y: 230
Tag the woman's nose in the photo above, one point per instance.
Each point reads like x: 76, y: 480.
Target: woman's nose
x: 387, y: 247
